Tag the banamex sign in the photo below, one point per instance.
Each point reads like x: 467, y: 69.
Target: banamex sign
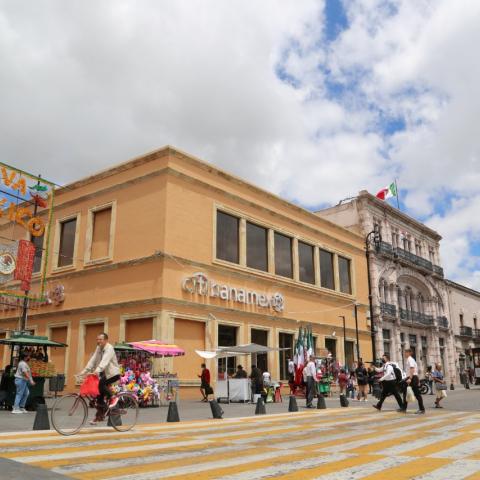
x: 201, y: 285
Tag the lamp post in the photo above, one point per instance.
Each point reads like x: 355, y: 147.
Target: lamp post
x: 355, y: 311
x: 344, y: 341
x: 377, y: 238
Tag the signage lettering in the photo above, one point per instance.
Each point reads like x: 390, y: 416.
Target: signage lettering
x: 199, y: 284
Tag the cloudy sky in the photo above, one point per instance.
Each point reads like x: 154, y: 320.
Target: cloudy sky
x: 313, y: 100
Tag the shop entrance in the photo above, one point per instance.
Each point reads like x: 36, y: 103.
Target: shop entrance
x: 58, y: 355
x: 92, y: 330
x: 349, y: 354
x: 260, y: 337
x: 227, y: 337
x: 331, y: 346
x: 190, y: 336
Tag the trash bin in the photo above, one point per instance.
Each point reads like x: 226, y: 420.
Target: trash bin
x: 57, y: 383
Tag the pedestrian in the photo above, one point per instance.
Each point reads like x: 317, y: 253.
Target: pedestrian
x: 351, y: 385
x: 310, y: 375
x: 429, y: 379
x: 413, y: 381
x: 342, y: 382
x: 291, y: 371
x: 240, y: 373
x: 389, y: 383
x: 371, y: 379
x: 440, y: 384
x: 23, y: 377
x: 256, y: 378
x: 361, y: 375
x: 205, y: 387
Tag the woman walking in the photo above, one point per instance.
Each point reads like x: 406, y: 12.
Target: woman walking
x: 361, y: 375
x: 440, y: 384
x: 23, y: 377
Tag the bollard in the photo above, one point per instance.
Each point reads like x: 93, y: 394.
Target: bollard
x: 292, y: 404
x: 321, y: 405
x: 260, y: 408
x: 452, y: 387
x: 172, y: 415
x: 41, y: 418
x: 343, y: 401
x: 217, y: 411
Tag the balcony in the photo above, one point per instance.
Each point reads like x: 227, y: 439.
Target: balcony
x: 385, y: 248
x: 411, y: 258
x: 438, y: 270
x: 476, y: 334
x: 466, y: 331
x: 442, y: 322
x: 410, y: 317
x: 388, y: 310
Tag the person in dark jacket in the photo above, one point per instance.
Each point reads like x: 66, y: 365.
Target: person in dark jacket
x: 240, y: 373
x: 257, y: 380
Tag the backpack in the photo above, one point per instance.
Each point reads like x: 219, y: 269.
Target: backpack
x: 397, y: 372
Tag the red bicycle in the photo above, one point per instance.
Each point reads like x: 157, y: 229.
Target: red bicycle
x: 70, y: 412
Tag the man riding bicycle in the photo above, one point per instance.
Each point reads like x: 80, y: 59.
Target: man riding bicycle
x: 104, y: 364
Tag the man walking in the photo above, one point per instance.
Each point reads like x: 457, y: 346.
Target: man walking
x: 389, y: 383
x: 311, y: 375
x: 412, y: 380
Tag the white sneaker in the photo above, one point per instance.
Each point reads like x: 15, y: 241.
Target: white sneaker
x: 23, y: 410
x: 16, y: 410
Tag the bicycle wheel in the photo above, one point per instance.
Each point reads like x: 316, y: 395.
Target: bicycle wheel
x: 123, y: 416
x: 69, y: 414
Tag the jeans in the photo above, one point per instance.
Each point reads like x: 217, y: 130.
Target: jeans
x: 21, y: 386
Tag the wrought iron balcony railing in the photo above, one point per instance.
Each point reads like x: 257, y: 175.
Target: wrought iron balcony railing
x: 388, y: 309
x: 412, y: 258
x: 466, y: 331
x: 438, y: 270
x: 416, y: 317
x: 442, y: 322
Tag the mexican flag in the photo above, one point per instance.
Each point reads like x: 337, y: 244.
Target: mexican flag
x: 388, y: 192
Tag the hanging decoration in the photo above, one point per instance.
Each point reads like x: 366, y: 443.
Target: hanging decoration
x: 26, y: 201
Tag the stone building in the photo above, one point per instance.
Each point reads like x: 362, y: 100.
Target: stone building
x: 464, y: 306
x: 410, y: 303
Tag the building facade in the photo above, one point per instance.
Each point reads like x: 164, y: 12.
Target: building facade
x: 410, y: 303
x: 464, y: 305
x: 166, y: 246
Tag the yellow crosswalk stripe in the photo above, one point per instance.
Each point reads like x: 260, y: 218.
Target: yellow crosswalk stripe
x: 410, y: 470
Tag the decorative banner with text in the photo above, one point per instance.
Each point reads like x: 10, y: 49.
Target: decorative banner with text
x: 26, y: 209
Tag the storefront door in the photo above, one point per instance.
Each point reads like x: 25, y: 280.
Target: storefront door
x: 189, y: 335
x: 92, y: 330
x: 260, y: 337
x: 58, y: 355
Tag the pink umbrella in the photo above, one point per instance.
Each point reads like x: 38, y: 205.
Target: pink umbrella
x: 158, y: 348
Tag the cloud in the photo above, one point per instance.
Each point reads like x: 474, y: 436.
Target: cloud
x: 309, y: 103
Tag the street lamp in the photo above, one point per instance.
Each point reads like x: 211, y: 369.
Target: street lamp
x: 355, y: 311
x: 344, y: 341
x: 375, y: 237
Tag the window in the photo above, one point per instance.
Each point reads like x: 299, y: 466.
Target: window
x: 461, y: 319
x: 257, y: 247
x: 331, y: 346
x: 402, y: 337
x: 344, y: 274
x: 227, y: 237
x: 37, y: 261
x: 326, y: 270
x: 306, y: 263
x: 412, y: 340
x: 386, y: 341
x: 441, y: 342
x: 67, y: 242
x: 101, y: 233
x: 283, y: 255
x: 285, y: 340
x: 424, y: 342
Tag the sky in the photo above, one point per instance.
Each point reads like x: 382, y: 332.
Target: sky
x: 313, y: 100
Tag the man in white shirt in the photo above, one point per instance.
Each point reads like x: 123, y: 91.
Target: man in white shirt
x: 310, y: 373
x: 104, y: 364
x: 291, y: 371
x: 412, y: 380
x: 389, y: 383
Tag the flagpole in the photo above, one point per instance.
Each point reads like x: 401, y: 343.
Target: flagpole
x: 396, y: 190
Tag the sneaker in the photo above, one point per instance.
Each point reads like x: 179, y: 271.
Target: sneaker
x: 420, y: 412
x: 16, y: 410
x: 23, y: 410
x: 113, y: 402
x: 93, y: 422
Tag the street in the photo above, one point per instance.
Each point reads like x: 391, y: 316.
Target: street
x: 349, y: 443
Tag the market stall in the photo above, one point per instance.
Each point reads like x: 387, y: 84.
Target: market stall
x: 240, y: 389
x: 37, y: 347
x: 153, y: 388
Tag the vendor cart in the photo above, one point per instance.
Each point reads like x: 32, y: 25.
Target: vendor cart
x: 36, y: 346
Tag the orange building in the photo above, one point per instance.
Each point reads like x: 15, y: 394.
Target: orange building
x: 166, y: 246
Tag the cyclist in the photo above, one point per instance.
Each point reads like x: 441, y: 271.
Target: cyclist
x: 104, y: 364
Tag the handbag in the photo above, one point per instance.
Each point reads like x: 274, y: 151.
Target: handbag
x: 410, y: 395
x: 441, y: 386
x: 89, y: 387
x: 208, y: 390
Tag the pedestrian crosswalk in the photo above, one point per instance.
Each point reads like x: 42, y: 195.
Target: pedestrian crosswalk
x: 329, y: 444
